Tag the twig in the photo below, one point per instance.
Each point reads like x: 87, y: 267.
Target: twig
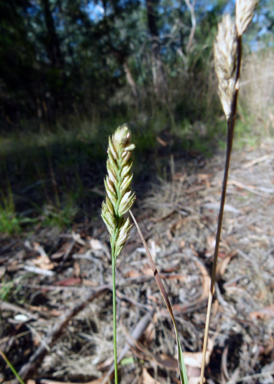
x: 256, y: 376
x: 66, y: 254
x: 121, y: 296
x: 8, y: 246
x: 39, y: 271
x: 15, y: 308
x: 30, y: 368
x: 191, y: 8
x: 126, y: 282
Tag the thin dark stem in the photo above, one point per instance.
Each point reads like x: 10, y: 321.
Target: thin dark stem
x: 230, y: 134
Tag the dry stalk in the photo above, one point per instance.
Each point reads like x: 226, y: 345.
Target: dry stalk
x: 227, y: 57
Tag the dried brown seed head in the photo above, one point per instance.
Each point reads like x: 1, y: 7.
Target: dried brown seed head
x: 225, y: 54
x: 244, y: 14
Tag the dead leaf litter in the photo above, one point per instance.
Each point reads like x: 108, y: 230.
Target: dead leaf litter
x: 56, y: 287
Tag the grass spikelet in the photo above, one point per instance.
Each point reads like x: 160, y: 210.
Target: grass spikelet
x: 244, y: 14
x: 118, y: 202
x: 225, y: 55
x: 117, y: 183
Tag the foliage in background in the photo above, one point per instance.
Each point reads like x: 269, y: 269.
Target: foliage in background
x: 81, y: 68
x: 72, y: 58
x: 98, y: 59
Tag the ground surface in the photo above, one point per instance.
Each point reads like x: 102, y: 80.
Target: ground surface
x: 56, y: 305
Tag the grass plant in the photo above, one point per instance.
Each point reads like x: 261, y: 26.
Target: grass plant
x: 118, y: 202
x: 11, y: 367
x: 119, y: 196
x: 9, y: 222
x: 227, y: 59
x: 9, y: 219
x: 6, y: 290
x: 61, y: 216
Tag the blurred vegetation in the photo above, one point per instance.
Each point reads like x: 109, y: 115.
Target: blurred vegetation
x: 72, y: 71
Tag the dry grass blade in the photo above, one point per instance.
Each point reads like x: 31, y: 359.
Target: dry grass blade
x: 181, y: 364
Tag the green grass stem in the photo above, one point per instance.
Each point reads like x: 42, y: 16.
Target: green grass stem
x: 11, y: 367
x: 114, y: 321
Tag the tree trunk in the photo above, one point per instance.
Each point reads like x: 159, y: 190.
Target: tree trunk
x: 158, y: 73
x: 121, y: 58
x: 52, y: 42
x: 130, y: 79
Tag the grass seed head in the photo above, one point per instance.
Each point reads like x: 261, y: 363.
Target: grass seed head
x: 225, y: 55
x: 244, y: 14
x: 117, y: 183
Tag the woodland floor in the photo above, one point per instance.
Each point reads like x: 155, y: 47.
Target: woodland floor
x: 56, y: 301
